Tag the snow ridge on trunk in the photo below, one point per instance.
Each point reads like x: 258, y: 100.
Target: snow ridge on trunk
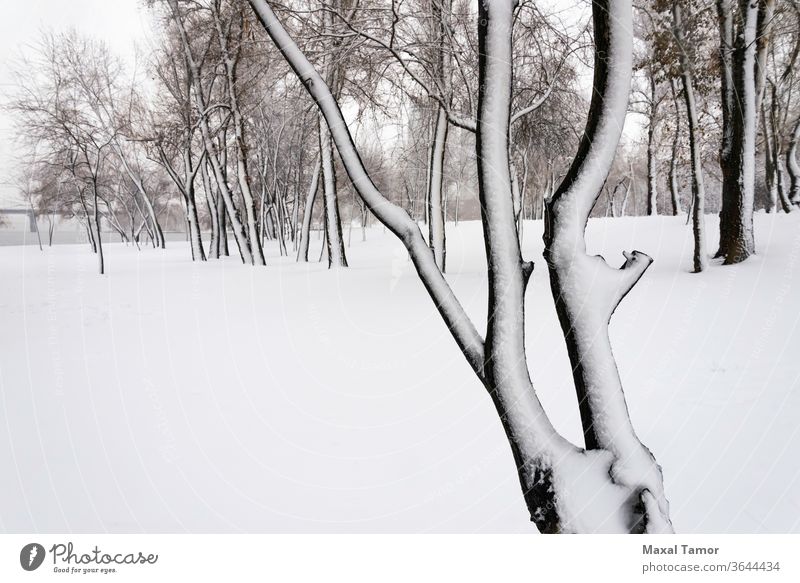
x: 587, y: 290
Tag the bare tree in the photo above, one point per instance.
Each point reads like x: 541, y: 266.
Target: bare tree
x: 698, y: 186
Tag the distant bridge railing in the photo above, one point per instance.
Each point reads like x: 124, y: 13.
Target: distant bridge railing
x: 29, y: 213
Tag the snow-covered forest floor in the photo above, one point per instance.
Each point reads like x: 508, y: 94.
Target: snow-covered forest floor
x: 172, y: 396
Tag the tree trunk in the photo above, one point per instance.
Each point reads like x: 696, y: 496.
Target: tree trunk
x: 738, y: 166
x: 308, y: 212
x: 222, y: 217
x: 766, y: 16
x: 587, y: 290
x: 213, y: 212
x: 652, y: 161
x: 98, y: 237
x: 725, y: 13
x: 770, y: 176
x: 333, y: 224
x: 137, y: 181
x: 230, y: 61
x: 776, y: 138
x: 436, y: 217
x: 792, y: 167
x: 674, y: 184
x: 698, y: 187
x: 195, y: 237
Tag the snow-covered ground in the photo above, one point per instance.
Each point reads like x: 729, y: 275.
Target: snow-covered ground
x: 171, y: 396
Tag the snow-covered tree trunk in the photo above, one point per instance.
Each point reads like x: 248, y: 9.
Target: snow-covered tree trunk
x: 615, y: 487
x: 700, y: 260
x: 213, y: 211
x: 212, y: 152
x: 308, y: 212
x: 230, y: 59
x: 185, y: 186
x: 738, y: 190
x: 440, y: 11
x: 198, y: 253
x: 652, y: 160
x: 792, y: 166
x: 222, y: 218
x: 436, y: 218
x: 587, y: 290
x: 333, y: 223
x: 725, y: 14
x: 766, y: 16
x: 674, y: 183
x: 158, y: 234
x: 776, y: 140
x: 94, y: 223
x: 771, y: 181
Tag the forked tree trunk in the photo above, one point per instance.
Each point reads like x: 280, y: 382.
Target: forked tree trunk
x: 616, y: 486
x: 700, y: 260
x: 587, y: 290
x: 198, y: 253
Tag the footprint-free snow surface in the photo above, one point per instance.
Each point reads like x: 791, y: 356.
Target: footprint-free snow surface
x: 168, y: 396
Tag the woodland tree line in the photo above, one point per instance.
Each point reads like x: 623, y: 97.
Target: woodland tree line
x: 267, y: 119
x: 210, y: 120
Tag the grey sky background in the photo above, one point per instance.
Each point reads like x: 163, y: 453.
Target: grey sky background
x: 118, y: 22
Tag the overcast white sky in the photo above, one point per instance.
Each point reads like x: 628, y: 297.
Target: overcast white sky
x: 119, y: 22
